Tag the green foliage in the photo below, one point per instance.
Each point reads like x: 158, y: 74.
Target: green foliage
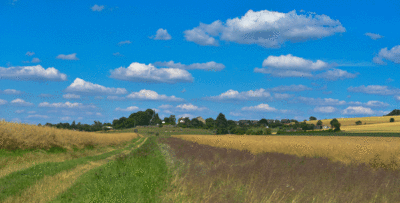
x: 335, y: 124
x: 210, y: 123
x: 358, y: 123
x: 312, y: 118
x: 394, y: 113
x: 391, y: 119
x: 263, y: 122
x: 221, y: 124
x: 319, y: 122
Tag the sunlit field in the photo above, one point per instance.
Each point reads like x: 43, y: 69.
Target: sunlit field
x: 352, y: 121
x: 379, y: 127
x: 336, y: 148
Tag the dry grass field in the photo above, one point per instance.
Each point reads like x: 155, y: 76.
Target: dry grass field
x: 372, y: 128
x: 352, y: 121
x: 336, y: 148
x: 23, y: 136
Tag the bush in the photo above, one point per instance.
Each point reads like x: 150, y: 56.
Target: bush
x: 358, y: 123
x: 391, y: 119
x: 157, y: 134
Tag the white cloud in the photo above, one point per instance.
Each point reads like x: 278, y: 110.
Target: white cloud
x: 137, y: 72
x: 370, y: 103
x: 97, y: 7
x: 374, y: 89
x: 162, y: 35
x: 357, y: 110
x: 30, y: 53
x: 165, y: 106
x: 390, y: 55
x: 373, y: 36
x: 285, y: 73
x: 31, y: 73
x: 152, y: 95
x: 45, y: 95
x: 71, y: 96
x: 265, y: 28
x: 66, y: 105
x: 290, y: 62
x: 201, y: 66
x: 35, y: 60
x: 290, y: 88
x: 124, y: 42
x: 248, y: 95
x: 283, y: 96
x: 336, y: 74
x: 82, y: 86
x: 19, y: 111
x: 66, y: 118
x: 325, y: 109
x: 396, y: 97
x: 20, y: 102
x: 260, y: 107
x: 168, y: 111
x: 68, y: 57
x: 116, y: 98
x: 99, y: 114
x: 10, y: 91
x: 131, y: 108
x: 320, y: 101
x: 235, y: 114
x: 37, y: 116
x: 190, y: 107
x: 190, y: 116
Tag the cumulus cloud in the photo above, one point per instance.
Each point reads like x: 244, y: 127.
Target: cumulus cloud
x: 66, y: 105
x: 190, y: 116
x: 396, y: 97
x: 325, y: 109
x: 357, y: 110
x: 137, y: 72
x: 152, y: 95
x: 71, y: 96
x: 131, y: 108
x: 20, y: 102
x: 265, y: 28
x: 283, y: 96
x: 10, y: 91
x: 260, y: 107
x: 2, y: 102
x: 30, y: 53
x: 336, y: 74
x: 246, y: 95
x: 390, y: 55
x: 81, y: 86
x: 35, y: 60
x: 290, y: 88
x: 370, y: 103
x: 31, y: 73
x: 124, y: 42
x: 320, y: 101
x: 68, y: 57
x: 190, y: 107
x: 97, y: 7
x: 37, y: 116
x: 374, y: 89
x: 373, y: 36
x: 201, y: 66
x: 165, y: 106
x: 162, y: 35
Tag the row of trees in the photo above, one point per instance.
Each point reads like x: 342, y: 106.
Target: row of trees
x: 81, y: 127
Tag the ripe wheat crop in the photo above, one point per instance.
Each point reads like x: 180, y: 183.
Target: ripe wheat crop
x: 336, y: 148
x: 23, y: 136
x: 352, y: 121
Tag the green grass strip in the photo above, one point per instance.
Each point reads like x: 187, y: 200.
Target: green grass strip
x: 140, y: 176
x: 14, y: 183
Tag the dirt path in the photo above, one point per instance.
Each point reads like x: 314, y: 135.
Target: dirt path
x: 50, y: 187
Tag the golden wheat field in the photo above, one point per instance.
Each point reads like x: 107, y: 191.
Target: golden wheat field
x: 378, y: 127
x: 24, y: 136
x: 336, y: 148
x: 352, y: 121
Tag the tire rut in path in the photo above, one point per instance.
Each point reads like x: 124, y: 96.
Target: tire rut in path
x: 50, y: 187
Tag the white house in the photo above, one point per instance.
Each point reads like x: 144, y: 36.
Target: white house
x: 326, y: 127
x: 163, y: 122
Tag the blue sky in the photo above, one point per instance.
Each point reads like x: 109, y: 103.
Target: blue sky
x: 100, y: 60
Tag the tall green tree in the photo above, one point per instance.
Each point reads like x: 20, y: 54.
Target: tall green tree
x: 312, y: 118
x: 335, y: 124
x: 263, y: 122
x: 221, y: 124
x: 172, y: 119
x: 319, y: 123
x: 210, y: 123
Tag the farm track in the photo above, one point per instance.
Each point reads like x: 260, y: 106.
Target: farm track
x: 50, y: 186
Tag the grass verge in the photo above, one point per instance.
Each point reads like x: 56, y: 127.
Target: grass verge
x: 137, y: 177
x: 14, y: 183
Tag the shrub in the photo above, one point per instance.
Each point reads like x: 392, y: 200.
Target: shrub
x: 157, y: 134
x: 358, y: 123
x: 391, y: 119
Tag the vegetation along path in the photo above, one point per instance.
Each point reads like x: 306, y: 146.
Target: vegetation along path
x: 46, y: 181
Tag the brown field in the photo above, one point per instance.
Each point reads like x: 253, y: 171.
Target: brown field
x: 23, y: 136
x: 352, y: 121
x: 341, y: 148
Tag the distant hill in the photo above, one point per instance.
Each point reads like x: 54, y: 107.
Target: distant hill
x: 394, y: 113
